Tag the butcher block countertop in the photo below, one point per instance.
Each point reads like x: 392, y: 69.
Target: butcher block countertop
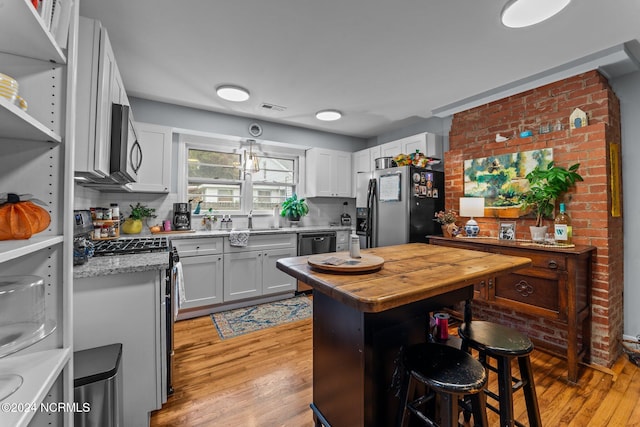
x: 411, y: 272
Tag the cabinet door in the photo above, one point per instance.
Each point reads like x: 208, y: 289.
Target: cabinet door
x: 391, y: 149
x: 154, y: 175
x: 319, y: 166
x: 242, y: 275
x: 415, y: 143
x: 328, y: 173
x: 341, y: 174
x: 374, y: 153
x: 106, y: 79
x: 361, y: 161
x: 202, y: 280
x: 275, y: 280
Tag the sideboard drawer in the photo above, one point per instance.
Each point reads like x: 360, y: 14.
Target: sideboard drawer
x: 535, y: 292
x: 550, y: 261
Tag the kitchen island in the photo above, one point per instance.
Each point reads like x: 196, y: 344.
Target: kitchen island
x: 360, y: 321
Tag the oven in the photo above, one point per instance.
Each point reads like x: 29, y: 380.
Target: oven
x: 168, y: 294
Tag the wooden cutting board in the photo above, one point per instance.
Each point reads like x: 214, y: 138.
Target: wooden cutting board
x: 341, y: 262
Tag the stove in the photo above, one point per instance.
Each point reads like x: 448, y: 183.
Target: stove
x: 134, y: 245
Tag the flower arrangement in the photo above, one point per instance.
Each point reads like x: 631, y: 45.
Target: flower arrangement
x: 446, y: 217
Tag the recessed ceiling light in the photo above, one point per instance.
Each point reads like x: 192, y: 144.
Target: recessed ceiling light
x: 328, y: 115
x: 523, y: 13
x: 232, y: 93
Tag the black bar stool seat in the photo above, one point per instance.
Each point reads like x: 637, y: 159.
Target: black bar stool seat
x: 447, y: 372
x: 504, y: 344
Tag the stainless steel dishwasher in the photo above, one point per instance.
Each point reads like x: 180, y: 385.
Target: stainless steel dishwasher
x: 315, y: 243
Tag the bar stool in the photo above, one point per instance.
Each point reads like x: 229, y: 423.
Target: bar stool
x: 448, y: 373
x: 504, y: 344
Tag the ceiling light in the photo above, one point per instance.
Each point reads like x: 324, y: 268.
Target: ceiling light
x: 523, y: 13
x: 233, y: 93
x: 328, y: 115
x: 251, y: 164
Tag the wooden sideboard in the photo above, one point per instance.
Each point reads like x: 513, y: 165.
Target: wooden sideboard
x: 557, y: 286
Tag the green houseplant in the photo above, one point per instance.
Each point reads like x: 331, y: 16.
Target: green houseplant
x: 294, y: 208
x: 545, y: 187
x: 133, y: 224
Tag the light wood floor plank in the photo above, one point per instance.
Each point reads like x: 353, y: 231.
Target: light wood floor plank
x: 263, y: 379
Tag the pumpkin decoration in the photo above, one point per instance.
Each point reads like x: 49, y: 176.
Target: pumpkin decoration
x: 21, y: 219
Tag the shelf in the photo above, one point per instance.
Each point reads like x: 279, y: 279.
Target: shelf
x: 17, y: 124
x: 12, y: 249
x: 24, y: 34
x: 39, y: 371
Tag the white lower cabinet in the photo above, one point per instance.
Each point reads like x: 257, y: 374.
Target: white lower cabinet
x: 242, y: 275
x: 251, y: 271
x: 202, y: 269
x: 342, y: 241
x: 125, y: 308
x: 202, y: 280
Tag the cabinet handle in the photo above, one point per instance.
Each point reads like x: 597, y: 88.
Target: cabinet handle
x: 553, y: 265
x: 490, y: 283
x: 524, y: 288
x: 482, y: 283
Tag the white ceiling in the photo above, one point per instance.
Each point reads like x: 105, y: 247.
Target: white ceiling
x: 384, y: 64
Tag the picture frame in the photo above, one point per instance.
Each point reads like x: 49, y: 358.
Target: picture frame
x: 507, y: 230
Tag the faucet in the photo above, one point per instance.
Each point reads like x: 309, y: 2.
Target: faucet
x: 250, y: 220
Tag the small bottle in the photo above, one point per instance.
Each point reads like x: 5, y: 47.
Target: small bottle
x: 354, y: 246
x: 229, y: 222
x: 115, y: 211
x: 562, y: 227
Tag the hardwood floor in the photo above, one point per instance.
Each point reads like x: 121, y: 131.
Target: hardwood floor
x: 264, y: 379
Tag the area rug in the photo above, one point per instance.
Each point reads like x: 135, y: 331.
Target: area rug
x: 240, y: 321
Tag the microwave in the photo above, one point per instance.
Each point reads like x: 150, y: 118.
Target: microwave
x: 126, y: 152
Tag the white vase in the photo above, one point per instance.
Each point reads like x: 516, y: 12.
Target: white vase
x: 538, y: 233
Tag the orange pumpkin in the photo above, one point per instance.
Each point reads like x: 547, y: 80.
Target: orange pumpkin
x: 21, y: 219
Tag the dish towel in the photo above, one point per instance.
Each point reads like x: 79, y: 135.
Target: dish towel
x: 239, y: 238
x: 180, y: 288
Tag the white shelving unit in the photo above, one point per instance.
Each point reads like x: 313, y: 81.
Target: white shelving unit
x: 36, y: 157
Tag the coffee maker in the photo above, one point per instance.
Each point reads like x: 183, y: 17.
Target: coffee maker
x: 181, y: 216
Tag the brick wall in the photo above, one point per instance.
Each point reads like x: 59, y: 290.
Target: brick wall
x: 473, y: 135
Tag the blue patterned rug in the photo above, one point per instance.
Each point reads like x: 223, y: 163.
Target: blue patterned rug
x: 240, y: 321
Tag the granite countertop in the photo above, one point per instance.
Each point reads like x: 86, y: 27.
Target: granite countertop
x: 117, y: 264
x: 258, y: 231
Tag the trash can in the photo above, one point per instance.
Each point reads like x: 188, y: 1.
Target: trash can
x: 98, y: 387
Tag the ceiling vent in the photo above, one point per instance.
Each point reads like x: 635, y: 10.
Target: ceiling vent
x: 272, y: 107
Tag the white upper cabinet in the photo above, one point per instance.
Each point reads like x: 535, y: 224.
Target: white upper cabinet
x: 99, y: 86
x: 154, y: 175
x: 361, y: 161
x: 428, y: 144
x: 328, y: 173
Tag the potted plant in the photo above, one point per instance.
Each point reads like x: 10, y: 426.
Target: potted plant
x: 294, y: 208
x: 133, y: 224
x: 545, y: 187
x: 447, y: 220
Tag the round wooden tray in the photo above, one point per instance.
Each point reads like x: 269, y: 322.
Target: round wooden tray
x: 341, y: 262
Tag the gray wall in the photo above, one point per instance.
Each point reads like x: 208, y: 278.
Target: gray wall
x: 207, y: 121
x: 627, y: 88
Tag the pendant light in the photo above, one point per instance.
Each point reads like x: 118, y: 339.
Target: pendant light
x: 524, y: 13
x: 251, y: 164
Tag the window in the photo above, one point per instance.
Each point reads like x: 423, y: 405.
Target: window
x: 215, y: 177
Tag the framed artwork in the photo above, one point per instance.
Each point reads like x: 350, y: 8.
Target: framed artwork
x: 501, y: 180
x: 507, y: 230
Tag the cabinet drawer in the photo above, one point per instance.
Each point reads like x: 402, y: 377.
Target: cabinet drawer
x: 534, y: 291
x: 263, y: 242
x: 342, y: 237
x: 550, y: 261
x: 193, y: 247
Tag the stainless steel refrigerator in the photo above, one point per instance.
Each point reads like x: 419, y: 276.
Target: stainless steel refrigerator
x: 398, y: 205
